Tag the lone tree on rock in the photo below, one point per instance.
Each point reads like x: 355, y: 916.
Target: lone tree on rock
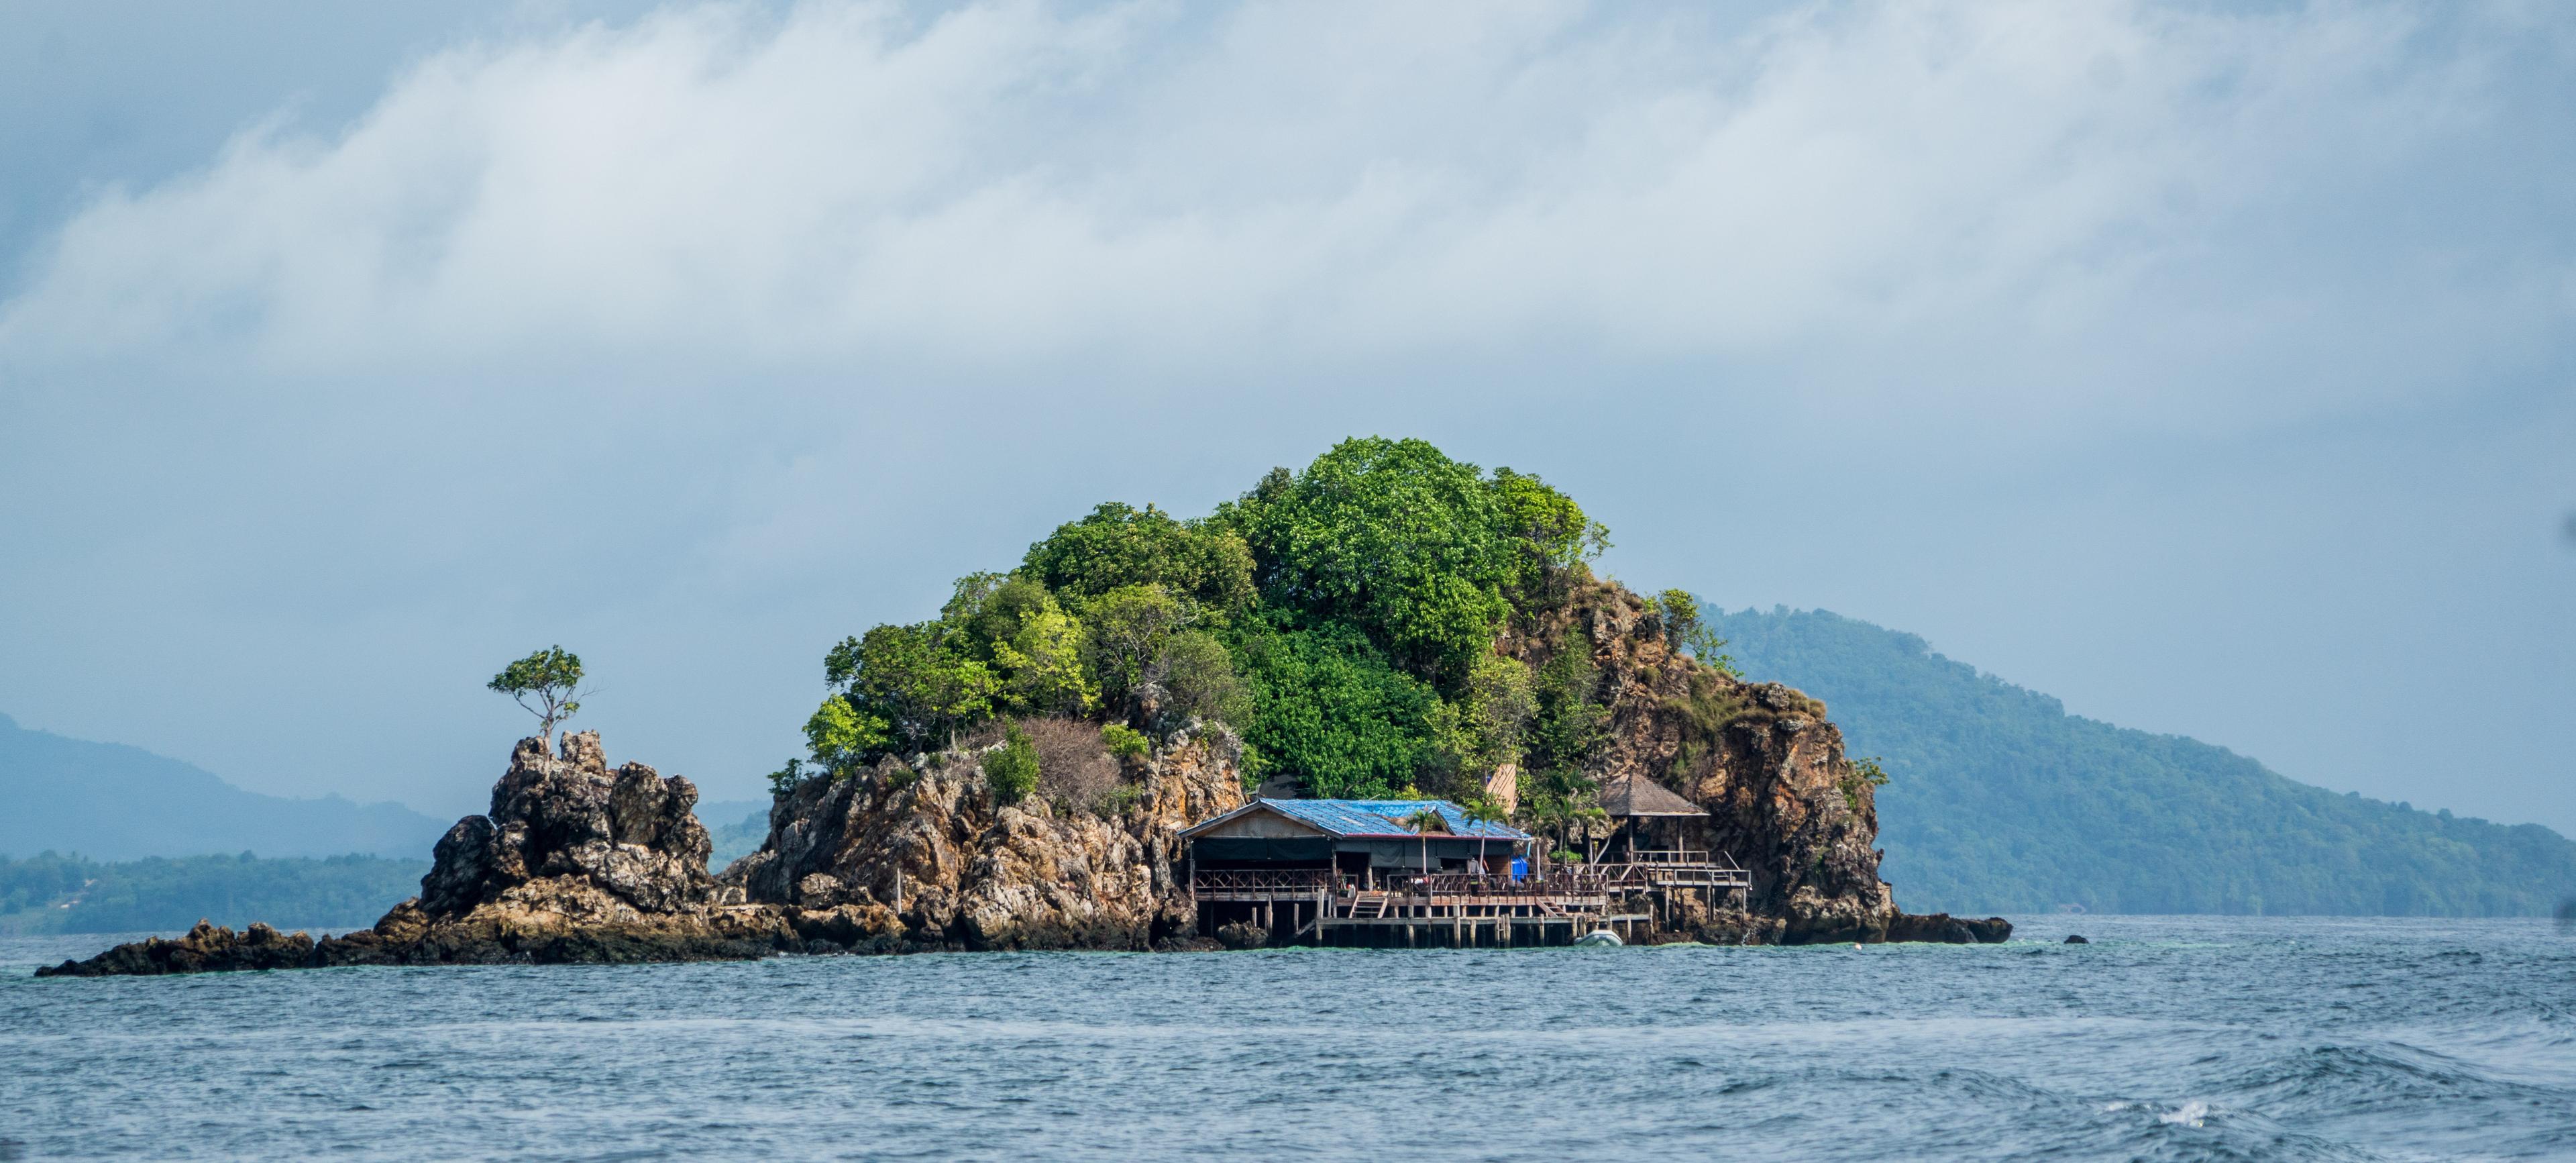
x: 545, y: 682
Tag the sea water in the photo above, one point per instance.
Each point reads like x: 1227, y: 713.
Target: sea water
x: 2164, y: 1038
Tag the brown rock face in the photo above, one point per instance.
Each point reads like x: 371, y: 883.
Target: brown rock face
x: 579, y: 862
x: 576, y: 862
x: 628, y: 833
x: 895, y: 859
x: 1761, y: 757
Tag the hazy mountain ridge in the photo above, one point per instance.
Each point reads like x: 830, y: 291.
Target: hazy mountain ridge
x: 735, y: 829
x: 2000, y: 800
x: 70, y: 894
x: 108, y: 801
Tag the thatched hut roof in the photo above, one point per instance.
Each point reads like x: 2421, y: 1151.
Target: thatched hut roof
x: 1636, y: 795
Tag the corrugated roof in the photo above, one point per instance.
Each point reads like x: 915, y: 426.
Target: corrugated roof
x: 1636, y: 795
x: 1377, y: 817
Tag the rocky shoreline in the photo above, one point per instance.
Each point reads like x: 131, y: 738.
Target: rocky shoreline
x: 577, y: 862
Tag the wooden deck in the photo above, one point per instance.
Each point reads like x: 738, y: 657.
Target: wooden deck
x: 1464, y: 909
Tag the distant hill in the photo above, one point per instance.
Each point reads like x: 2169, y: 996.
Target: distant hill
x: 66, y: 894
x: 110, y: 802
x: 2000, y: 801
x: 56, y: 893
x: 735, y: 828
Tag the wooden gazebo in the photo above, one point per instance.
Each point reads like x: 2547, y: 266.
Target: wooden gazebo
x: 1650, y: 824
x: 1658, y: 843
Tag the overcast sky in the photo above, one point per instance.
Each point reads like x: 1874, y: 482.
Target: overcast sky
x: 2208, y: 366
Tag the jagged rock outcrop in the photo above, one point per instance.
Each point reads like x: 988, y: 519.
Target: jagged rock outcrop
x: 903, y: 859
x: 613, y: 844
x: 576, y: 862
x: 579, y: 862
x: 1783, y: 799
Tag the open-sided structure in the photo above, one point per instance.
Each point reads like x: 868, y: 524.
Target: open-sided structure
x: 1648, y: 820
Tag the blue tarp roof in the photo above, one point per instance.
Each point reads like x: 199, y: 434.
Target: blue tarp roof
x: 1379, y: 817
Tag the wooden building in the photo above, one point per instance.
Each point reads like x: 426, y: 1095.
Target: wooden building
x: 1363, y: 839
x: 1379, y: 872
x: 1413, y: 872
x: 1649, y: 822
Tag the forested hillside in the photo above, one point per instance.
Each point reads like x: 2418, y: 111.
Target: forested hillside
x: 1345, y: 620
x: 112, y: 802
x: 2001, y: 801
x: 67, y: 894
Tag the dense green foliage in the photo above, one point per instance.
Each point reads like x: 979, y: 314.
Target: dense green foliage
x: 2000, y: 801
x: 1118, y: 546
x: 50, y: 893
x: 1341, y: 619
x: 1334, y: 711
x: 1012, y: 768
x: 1391, y: 538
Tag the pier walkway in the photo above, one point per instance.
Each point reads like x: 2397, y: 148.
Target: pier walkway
x: 1553, y: 907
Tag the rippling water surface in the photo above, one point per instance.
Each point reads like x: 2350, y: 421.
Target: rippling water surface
x: 2167, y: 1038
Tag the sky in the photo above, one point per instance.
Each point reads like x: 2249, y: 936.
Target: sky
x: 2209, y: 366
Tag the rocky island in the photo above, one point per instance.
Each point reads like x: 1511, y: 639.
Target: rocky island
x: 1016, y: 773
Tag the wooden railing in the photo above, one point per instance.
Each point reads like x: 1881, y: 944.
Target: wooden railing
x: 1671, y: 867
x: 1557, y: 882
x: 1678, y: 856
x: 1306, y: 882
x: 1249, y: 879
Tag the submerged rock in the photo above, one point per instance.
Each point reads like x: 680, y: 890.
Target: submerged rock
x: 2076, y: 939
x: 1947, y: 929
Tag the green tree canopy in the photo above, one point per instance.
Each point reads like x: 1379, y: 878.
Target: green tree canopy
x: 909, y: 687
x: 546, y: 683
x: 1119, y: 546
x: 1012, y: 769
x: 1328, y: 709
x: 1394, y: 538
x: 1343, y: 619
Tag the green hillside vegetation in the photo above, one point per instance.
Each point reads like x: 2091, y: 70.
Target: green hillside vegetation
x: 1999, y: 801
x: 734, y: 830
x: 732, y: 842
x: 50, y: 893
x: 1342, y: 620
x: 121, y: 803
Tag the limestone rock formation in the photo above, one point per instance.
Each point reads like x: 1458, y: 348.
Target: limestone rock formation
x: 580, y: 862
x: 576, y: 862
x: 899, y: 859
x: 1783, y: 799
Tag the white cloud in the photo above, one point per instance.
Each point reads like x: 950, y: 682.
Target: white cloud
x: 2016, y: 209
x: 699, y: 341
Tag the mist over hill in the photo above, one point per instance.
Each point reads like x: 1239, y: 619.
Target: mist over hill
x: 2001, y: 801
x: 107, y: 801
